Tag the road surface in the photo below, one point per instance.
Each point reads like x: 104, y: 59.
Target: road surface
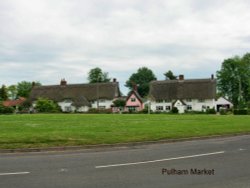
x: 221, y: 162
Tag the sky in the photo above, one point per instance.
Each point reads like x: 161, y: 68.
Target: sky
x: 47, y: 40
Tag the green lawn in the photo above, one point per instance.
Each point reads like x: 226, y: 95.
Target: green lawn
x: 49, y: 130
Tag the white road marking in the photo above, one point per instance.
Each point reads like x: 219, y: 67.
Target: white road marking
x: 160, y: 160
x: 14, y: 173
x: 241, y: 149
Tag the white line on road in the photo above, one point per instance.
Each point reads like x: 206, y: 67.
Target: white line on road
x: 14, y: 173
x: 160, y: 160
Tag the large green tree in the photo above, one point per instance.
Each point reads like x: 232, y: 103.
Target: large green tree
x: 170, y: 75
x: 141, y: 79
x: 3, y: 93
x: 96, y: 75
x: 24, y: 88
x: 233, y: 80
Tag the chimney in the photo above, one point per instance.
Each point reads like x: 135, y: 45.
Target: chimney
x: 63, y: 82
x: 181, y: 77
x: 212, y: 76
x: 135, y: 87
x: 33, y: 84
x: 114, y: 79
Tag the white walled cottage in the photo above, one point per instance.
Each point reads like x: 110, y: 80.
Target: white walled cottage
x: 78, y: 97
x: 185, y: 95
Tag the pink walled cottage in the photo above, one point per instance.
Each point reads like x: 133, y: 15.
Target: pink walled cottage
x: 134, y: 102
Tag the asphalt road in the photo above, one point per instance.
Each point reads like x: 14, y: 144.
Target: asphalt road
x: 226, y: 162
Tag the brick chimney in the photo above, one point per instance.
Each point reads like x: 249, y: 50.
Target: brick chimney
x: 135, y: 87
x: 33, y: 84
x: 181, y: 77
x: 63, y: 82
x: 212, y: 76
x: 114, y: 79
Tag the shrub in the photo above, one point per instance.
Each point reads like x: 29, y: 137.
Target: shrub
x: 175, y: 110
x: 240, y: 112
x: 223, y: 111
x: 99, y: 111
x: 6, y: 110
x: 46, y: 105
x: 194, y: 112
x: 211, y: 111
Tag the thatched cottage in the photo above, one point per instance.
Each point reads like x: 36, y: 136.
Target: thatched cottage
x: 189, y: 94
x: 78, y: 97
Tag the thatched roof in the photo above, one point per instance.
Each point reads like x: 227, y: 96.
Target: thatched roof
x: 80, y: 94
x: 183, y: 89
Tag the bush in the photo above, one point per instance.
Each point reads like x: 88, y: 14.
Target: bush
x: 240, y: 112
x: 194, y: 112
x: 211, y: 111
x: 24, y: 107
x: 223, y: 111
x: 46, y: 105
x: 99, y: 111
x: 175, y: 110
x: 6, y: 110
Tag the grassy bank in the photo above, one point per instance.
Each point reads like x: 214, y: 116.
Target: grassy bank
x: 49, y: 130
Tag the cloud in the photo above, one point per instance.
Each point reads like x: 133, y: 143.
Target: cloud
x: 49, y: 40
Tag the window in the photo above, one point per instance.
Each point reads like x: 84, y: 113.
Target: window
x: 133, y: 99
x: 189, y: 107
x: 101, y: 100
x: 189, y: 100
x: 131, y: 108
x: 167, y: 100
x: 167, y: 108
x: 201, y: 100
x: 159, y: 108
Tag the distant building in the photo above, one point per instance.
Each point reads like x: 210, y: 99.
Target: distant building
x: 185, y: 95
x: 78, y: 97
x: 14, y: 103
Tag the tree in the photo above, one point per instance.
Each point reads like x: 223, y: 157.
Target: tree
x: 12, y: 92
x: 96, y: 76
x: 234, y: 79
x: 24, y: 88
x: 3, y: 93
x: 141, y: 79
x: 119, y: 103
x: 46, y: 105
x: 170, y: 75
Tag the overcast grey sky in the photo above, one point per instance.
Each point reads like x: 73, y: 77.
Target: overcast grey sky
x: 46, y: 40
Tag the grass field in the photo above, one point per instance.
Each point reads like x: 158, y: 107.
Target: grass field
x: 50, y: 130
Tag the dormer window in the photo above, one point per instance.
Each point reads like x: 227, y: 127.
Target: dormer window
x: 133, y: 99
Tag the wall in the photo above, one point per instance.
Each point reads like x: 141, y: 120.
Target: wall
x: 196, y: 105
x: 102, y: 103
